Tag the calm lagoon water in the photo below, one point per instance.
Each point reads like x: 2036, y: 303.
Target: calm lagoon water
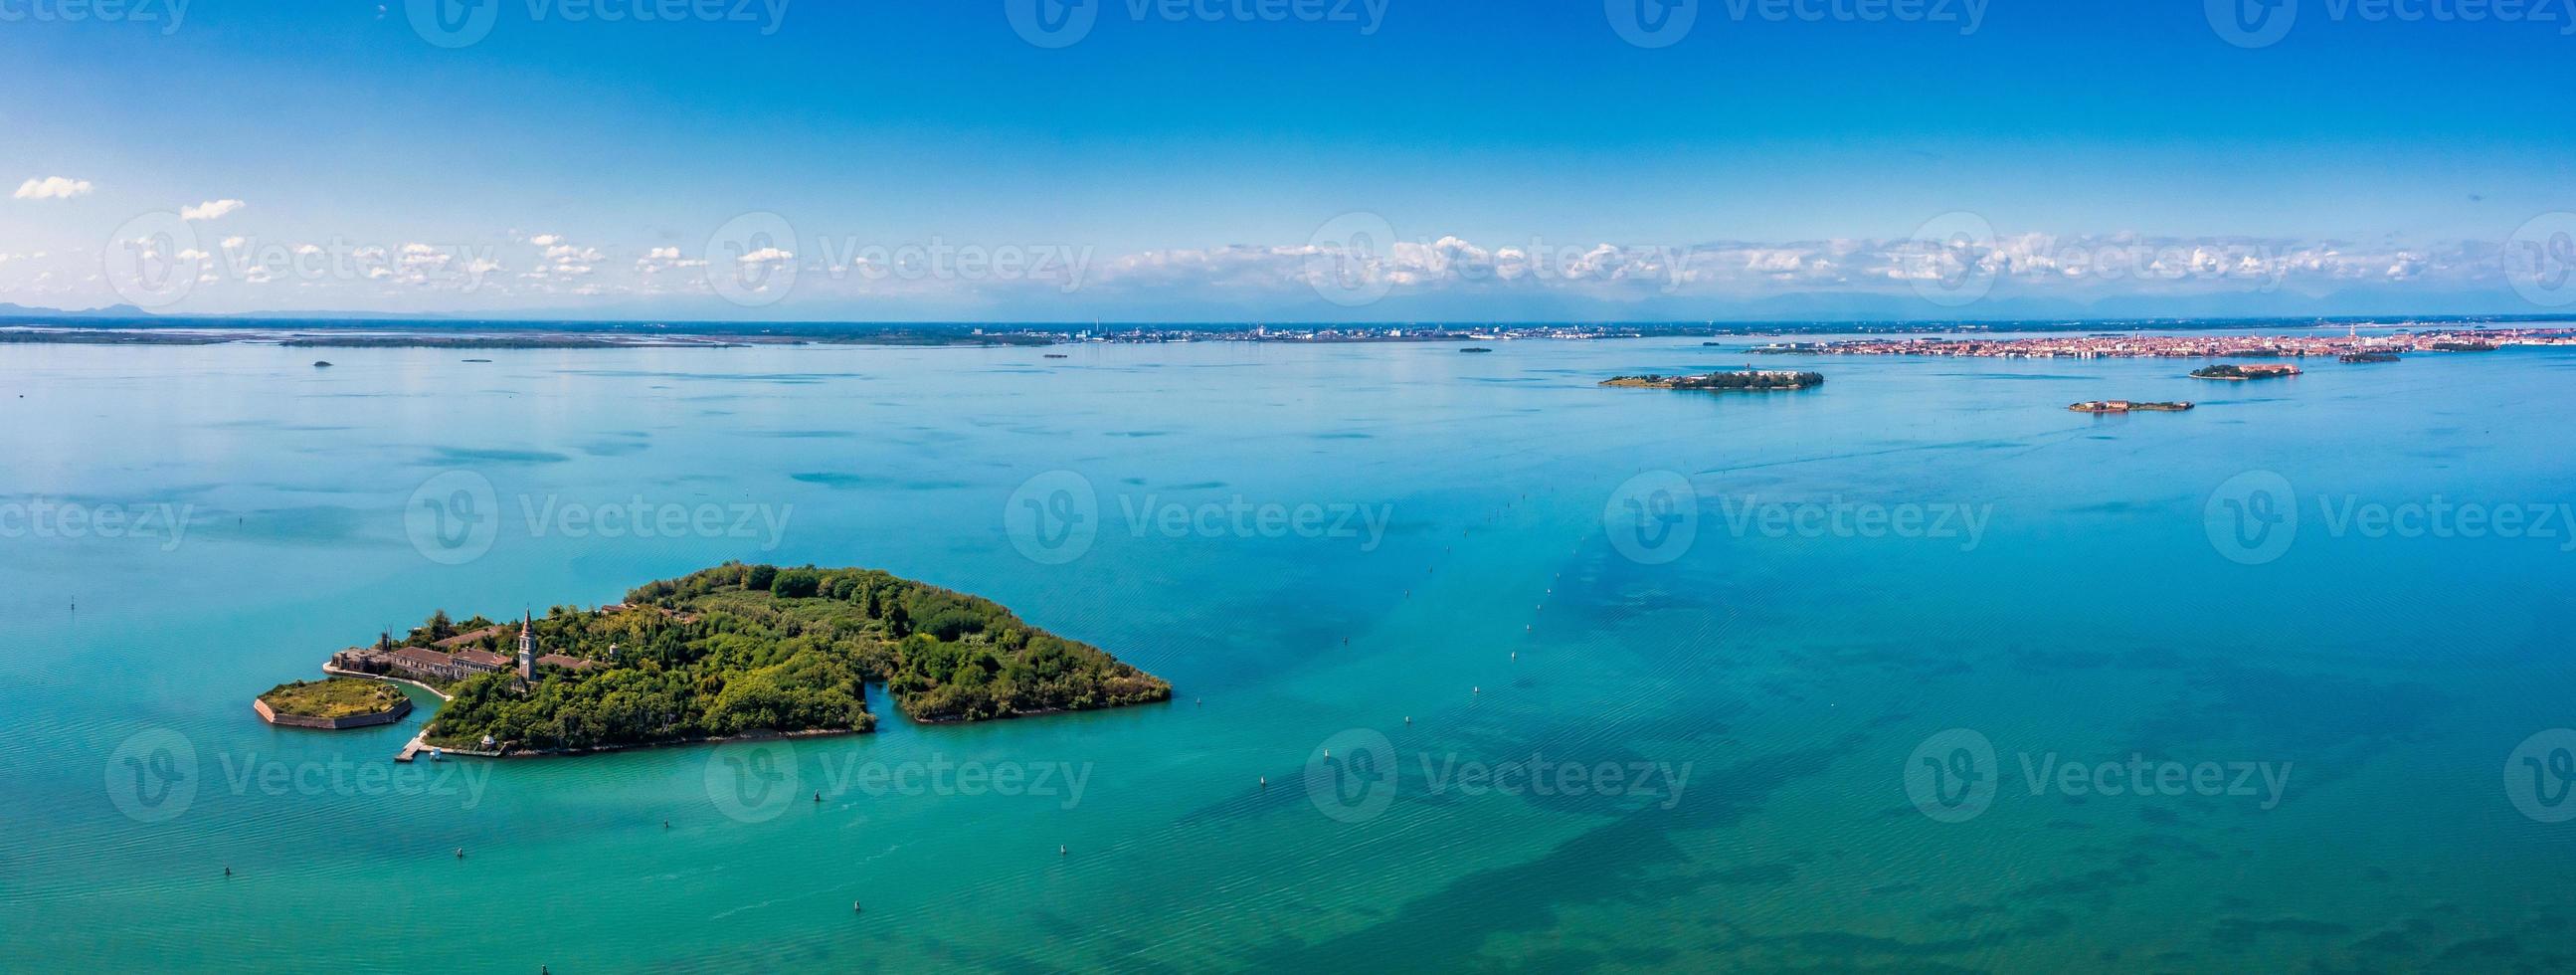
x: 1768, y: 613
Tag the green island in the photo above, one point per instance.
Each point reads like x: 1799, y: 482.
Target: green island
x: 2126, y: 406
x: 2238, y: 373
x: 333, y: 703
x: 740, y: 650
x: 1748, y: 379
x: 2367, y: 357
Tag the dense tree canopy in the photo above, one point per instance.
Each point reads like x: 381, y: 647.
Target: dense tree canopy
x: 740, y: 648
x: 1750, y: 380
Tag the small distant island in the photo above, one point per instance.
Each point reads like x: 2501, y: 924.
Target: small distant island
x: 2242, y: 372
x: 2126, y: 406
x: 740, y: 650
x: 1475, y: 348
x: 1747, y: 379
x: 2368, y: 357
x: 332, y: 704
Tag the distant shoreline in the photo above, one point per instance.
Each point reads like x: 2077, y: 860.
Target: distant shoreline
x: 132, y: 327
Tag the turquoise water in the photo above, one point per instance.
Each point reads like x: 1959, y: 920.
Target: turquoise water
x: 1507, y: 611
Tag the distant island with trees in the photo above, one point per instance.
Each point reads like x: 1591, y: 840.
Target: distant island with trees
x: 2128, y: 406
x: 1748, y: 379
x: 2238, y: 373
x: 740, y: 650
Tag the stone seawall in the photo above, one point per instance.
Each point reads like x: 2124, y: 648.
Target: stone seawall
x: 401, y: 710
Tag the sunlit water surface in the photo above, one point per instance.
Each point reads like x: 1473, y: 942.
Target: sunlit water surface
x: 1507, y: 609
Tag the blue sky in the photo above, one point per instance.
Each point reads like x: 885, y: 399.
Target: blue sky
x: 1269, y: 159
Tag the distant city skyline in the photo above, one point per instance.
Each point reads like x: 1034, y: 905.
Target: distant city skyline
x: 1132, y: 161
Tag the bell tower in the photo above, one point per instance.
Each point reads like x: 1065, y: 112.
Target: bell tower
x: 528, y: 650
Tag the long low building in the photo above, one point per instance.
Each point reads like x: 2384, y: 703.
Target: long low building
x: 435, y: 663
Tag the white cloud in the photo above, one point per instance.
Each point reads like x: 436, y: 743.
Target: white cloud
x: 766, y: 255
x: 51, y: 188
x: 209, y: 210
x: 546, y: 240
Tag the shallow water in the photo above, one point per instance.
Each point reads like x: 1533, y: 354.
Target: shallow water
x: 1399, y: 532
